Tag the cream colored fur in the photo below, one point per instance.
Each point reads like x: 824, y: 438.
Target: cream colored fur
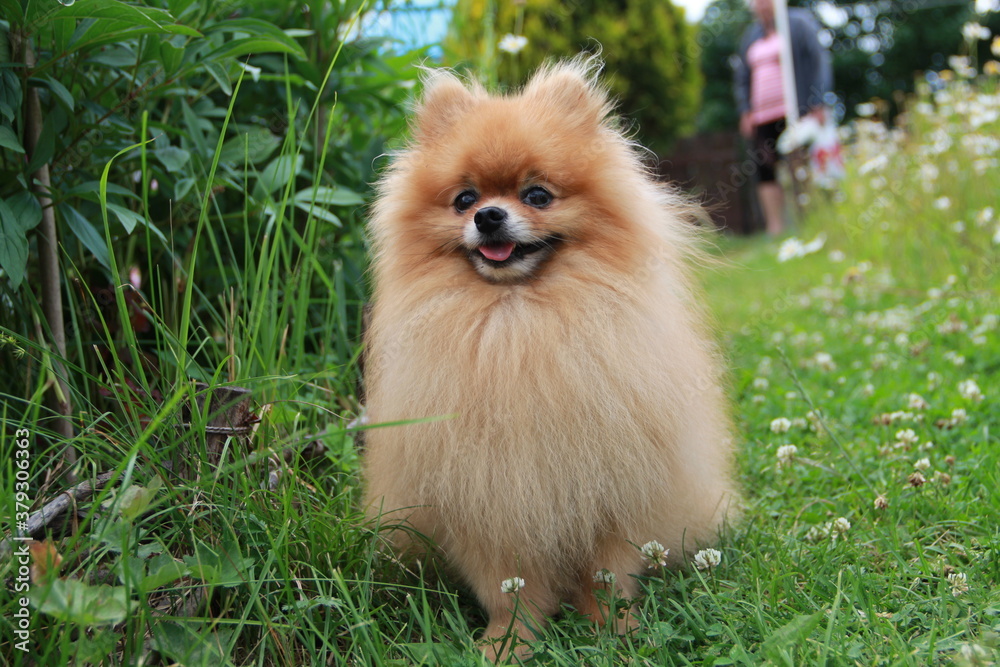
x: 585, y: 414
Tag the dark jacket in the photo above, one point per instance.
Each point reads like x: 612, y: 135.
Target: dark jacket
x: 813, y: 71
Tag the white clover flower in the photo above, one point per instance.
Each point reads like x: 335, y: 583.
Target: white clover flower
x: 604, y: 576
x: 655, y: 554
x: 757, y: 399
x: 790, y: 249
x: 824, y: 361
x: 942, y: 203
x: 837, y: 256
x: 799, y: 422
x: 959, y: 415
x: 512, y: 44
x: 985, y: 216
x: 706, y: 559
x: 961, y: 65
x: 923, y: 465
x: 868, y: 390
x: 916, y: 402
x: 840, y: 526
x: 907, y: 436
x: 959, y: 583
x: 933, y: 379
x: 512, y: 585
x: 817, y: 533
x: 954, y: 358
x: 973, y: 31
x: 970, y: 390
x: 786, y: 455
x: 901, y: 416
x: 780, y: 425
x: 760, y: 384
x: 974, y: 654
x: 881, y: 502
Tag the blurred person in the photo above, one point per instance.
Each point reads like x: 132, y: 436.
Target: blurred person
x: 760, y: 97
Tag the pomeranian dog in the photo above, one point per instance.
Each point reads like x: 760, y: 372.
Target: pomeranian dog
x: 533, y: 310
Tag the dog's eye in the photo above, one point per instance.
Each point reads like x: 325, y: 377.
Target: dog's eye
x: 537, y: 197
x: 465, y: 200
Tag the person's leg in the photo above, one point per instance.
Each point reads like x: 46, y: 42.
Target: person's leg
x: 772, y: 201
x: 772, y: 197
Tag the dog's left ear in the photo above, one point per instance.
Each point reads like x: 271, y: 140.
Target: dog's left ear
x: 573, y: 86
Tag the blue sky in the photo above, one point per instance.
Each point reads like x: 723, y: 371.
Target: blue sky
x: 422, y: 22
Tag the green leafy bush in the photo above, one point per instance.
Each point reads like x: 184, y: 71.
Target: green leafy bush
x: 647, y: 46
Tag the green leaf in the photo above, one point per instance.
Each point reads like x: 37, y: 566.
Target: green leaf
x: 250, y: 30
x: 278, y: 173
x: 171, y: 57
x: 218, y: 73
x: 254, y: 146
x: 44, y: 148
x: 194, y: 131
x: 11, y: 11
x: 91, y: 191
x: 93, y: 648
x: 786, y: 637
x: 135, y: 499
x: 128, y: 218
x: 121, y: 14
x: 172, y: 157
x: 318, y: 212
x: 335, y: 196
x: 86, y: 233
x: 13, y: 245
x: 186, y: 645
x: 221, y: 566
x: 251, y: 45
x: 62, y: 30
x: 114, y: 58
x: 72, y: 601
x: 163, y: 569
x: 60, y: 91
x: 26, y: 209
x: 182, y: 187
x: 10, y: 93
x: 9, y: 140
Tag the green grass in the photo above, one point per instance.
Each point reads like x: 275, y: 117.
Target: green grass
x: 215, y: 567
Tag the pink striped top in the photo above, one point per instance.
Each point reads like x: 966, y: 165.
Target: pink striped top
x: 767, y: 101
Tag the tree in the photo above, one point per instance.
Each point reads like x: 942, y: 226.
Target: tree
x: 647, y: 46
x: 718, y: 39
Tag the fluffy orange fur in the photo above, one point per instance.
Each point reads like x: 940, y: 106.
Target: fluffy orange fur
x: 584, y: 414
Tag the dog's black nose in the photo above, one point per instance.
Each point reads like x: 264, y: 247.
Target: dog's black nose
x: 490, y: 219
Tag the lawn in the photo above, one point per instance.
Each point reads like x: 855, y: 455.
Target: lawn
x: 863, y: 378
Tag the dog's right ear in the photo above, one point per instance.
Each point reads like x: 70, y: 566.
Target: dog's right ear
x: 444, y: 101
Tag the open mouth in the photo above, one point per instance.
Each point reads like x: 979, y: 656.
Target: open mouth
x: 508, y: 252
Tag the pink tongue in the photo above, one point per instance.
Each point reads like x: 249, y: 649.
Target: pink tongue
x: 497, y: 253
